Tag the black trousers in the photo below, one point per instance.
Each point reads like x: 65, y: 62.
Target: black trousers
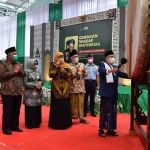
x: 90, y: 90
x: 11, y: 111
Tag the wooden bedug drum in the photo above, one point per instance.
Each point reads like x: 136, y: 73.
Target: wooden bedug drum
x: 138, y: 55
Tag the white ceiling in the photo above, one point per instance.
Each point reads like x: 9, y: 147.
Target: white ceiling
x: 11, y: 7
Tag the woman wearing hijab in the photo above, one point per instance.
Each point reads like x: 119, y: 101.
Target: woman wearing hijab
x: 33, y: 95
x: 60, y: 111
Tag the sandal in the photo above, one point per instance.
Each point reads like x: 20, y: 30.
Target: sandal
x: 84, y: 121
x: 113, y: 133
x: 101, y: 133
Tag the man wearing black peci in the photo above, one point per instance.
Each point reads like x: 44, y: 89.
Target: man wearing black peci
x: 11, y: 90
x: 109, y: 95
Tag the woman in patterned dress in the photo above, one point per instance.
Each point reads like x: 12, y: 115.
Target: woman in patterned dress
x: 33, y: 95
x: 60, y: 111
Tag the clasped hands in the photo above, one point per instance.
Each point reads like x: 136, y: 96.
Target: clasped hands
x: 18, y: 68
x: 38, y: 85
x: 61, y: 69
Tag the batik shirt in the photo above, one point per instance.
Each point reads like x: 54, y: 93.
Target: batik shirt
x: 60, y: 81
x: 12, y: 83
x: 77, y: 86
x: 33, y: 96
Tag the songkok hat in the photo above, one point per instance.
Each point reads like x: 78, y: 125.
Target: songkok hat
x: 74, y: 52
x: 70, y: 41
x: 9, y: 50
x: 110, y: 52
x: 89, y: 55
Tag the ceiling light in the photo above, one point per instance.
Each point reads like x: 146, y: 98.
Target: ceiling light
x: 3, y: 1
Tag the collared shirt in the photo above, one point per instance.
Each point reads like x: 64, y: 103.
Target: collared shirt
x: 77, y: 86
x: 92, y: 71
x: 12, y: 83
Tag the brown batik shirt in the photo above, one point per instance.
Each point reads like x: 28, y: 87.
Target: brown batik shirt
x: 77, y: 86
x: 60, y: 86
x: 12, y: 83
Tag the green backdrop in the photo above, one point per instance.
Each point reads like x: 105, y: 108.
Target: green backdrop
x: 92, y: 36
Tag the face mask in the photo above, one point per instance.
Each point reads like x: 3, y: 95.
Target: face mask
x: 111, y: 60
x: 61, y: 60
x: 75, y: 60
x: 15, y: 57
x: 90, y: 60
x: 35, y: 66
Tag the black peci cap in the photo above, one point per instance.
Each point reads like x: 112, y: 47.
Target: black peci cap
x: 9, y: 50
x: 110, y: 52
x: 74, y: 52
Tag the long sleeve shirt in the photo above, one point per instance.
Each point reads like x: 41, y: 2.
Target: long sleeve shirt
x: 12, y: 82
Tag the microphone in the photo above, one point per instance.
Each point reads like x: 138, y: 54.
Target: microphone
x: 122, y: 62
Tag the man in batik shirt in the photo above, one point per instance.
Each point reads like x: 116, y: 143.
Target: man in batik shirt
x: 77, y: 87
x: 11, y: 90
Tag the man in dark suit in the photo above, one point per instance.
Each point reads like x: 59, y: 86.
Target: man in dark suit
x: 108, y: 91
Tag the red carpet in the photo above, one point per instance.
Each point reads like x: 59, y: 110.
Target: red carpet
x: 78, y: 137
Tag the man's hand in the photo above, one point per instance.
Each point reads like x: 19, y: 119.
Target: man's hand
x: 18, y: 68
x: 97, y: 88
x: 113, y: 70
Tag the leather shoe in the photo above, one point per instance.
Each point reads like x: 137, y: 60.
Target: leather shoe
x: 8, y: 132
x: 113, y: 133
x: 84, y: 115
x: 93, y: 114
x: 17, y: 129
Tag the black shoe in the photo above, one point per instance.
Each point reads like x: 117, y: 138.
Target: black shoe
x: 30, y: 127
x: 84, y: 115
x: 84, y: 121
x: 37, y: 126
x: 8, y: 132
x: 93, y: 114
x: 17, y: 129
x: 113, y: 133
x: 101, y: 133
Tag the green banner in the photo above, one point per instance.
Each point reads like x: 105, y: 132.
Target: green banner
x: 20, y: 42
x: 122, y: 3
x: 55, y: 11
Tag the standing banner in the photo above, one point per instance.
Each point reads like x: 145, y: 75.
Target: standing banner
x: 122, y: 3
x: 20, y: 42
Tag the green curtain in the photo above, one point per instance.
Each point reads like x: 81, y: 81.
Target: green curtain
x: 122, y: 3
x: 143, y: 100
x: 124, y: 98
x: 55, y: 11
x: 20, y: 41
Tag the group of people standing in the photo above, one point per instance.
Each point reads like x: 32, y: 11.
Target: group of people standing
x: 72, y: 83
x: 15, y: 83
